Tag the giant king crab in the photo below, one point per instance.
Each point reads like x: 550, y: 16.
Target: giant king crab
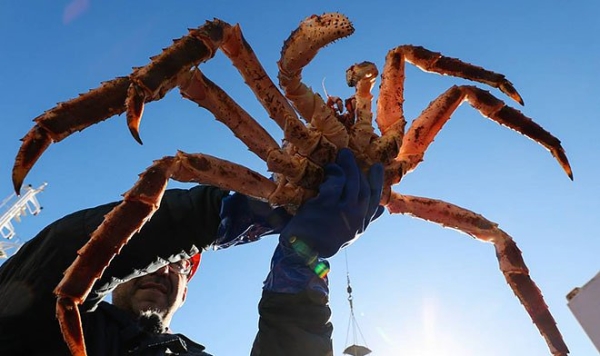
x: 296, y: 164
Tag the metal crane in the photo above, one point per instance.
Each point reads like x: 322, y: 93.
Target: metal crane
x: 27, y: 202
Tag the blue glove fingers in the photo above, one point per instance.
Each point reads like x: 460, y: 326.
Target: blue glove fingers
x: 331, y: 190
x: 347, y: 162
x: 378, y: 212
x: 375, y: 177
x: 245, y: 220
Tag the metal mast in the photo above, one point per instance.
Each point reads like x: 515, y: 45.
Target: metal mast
x: 25, y: 203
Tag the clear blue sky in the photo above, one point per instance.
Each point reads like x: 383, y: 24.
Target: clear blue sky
x: 419, y: 289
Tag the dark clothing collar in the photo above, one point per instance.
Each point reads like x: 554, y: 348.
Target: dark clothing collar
x: 137, y: 341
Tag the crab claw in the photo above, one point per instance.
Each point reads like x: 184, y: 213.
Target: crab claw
x: 313, y: 34
x: 507, y: 88
x: 66, y: 118
x: 135, y: 109
x: 360, y: 71
x: 34, y: 144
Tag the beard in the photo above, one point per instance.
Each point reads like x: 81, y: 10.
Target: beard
x: 151, y: 321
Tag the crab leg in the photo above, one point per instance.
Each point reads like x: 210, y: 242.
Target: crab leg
x: 298, y: 170
x: 369, y: 147
x: 138, y: 206
x: 298, y: 50
x: 244, y: 59
x: 154, y: 80
x: 362, y: 76
x: 309, y: 142
x: 114, y: 97
x: 74, y: 115
x: 509, y: 256
x: 431, y: 120
x: 196, y: 87
x: 391, y: 99
x: 390, y: 113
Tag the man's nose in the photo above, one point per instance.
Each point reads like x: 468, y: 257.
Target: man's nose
x: 163, y: 270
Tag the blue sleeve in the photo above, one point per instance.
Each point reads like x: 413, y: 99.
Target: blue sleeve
x: 245, y: 220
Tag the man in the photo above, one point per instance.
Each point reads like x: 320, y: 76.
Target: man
x: 149, y: 276
x: 155, y: 297
x: 162, y: 292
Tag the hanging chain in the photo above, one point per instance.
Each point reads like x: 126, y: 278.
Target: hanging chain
x: 352, y: 323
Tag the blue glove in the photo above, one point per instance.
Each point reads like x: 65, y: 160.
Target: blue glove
x: 245, y: 219
x: 347, y: 202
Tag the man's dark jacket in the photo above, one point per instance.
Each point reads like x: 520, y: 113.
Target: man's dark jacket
x: 186, y: 223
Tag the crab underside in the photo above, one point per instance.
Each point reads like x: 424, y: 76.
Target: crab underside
x: 314, y: 130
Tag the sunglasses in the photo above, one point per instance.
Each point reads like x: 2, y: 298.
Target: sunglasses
x: 183, y: 267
